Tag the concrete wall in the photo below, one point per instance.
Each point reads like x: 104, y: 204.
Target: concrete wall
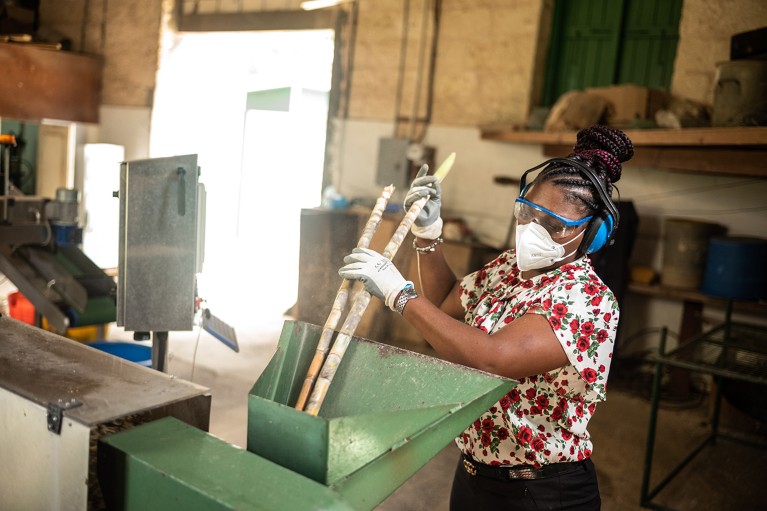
x: 704, y: 39
x: 126, y: 34
x: 489, y: 68
x: 485, y: 60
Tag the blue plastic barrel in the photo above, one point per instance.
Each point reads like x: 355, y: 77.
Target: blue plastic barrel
x: 129, y: 351
x: 736, y: 268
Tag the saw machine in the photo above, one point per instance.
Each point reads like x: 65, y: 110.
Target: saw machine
x: 40, y: 253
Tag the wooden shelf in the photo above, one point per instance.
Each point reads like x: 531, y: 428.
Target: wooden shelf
x: 690, y: 295
x: 41, y: 83
x: 735, y: 151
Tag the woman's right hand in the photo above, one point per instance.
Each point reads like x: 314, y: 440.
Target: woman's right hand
x: 424, y: 186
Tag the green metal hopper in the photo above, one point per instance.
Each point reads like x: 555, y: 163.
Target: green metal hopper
x: 387, y: 413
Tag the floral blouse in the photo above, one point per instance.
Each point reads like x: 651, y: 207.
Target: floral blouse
x: 543, y: 420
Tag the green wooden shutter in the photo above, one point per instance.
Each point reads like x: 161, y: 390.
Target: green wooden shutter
x: 648, y: 48
x: 602, y: 42
x: 584, y: 48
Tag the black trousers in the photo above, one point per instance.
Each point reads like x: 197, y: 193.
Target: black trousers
x: 573, y: 491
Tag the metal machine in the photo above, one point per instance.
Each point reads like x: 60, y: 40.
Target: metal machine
x: 162, y: 239
x: 161, y: 247
x: 388, y: 412
x: 82, y: 428
x: 58, y: 397
x: 40, y: 253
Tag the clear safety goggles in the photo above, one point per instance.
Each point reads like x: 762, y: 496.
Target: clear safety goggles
x: 556, y: 225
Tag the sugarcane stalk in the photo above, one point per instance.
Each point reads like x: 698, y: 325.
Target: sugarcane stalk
x: 329, y: 368
x: 361, y: 301
x: 340, y: 301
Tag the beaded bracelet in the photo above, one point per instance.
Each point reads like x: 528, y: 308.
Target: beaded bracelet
x: 431, y: 247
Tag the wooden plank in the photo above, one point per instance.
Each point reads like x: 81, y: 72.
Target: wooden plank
x: 740, y: 136
x: 724, y: 161
x: 39, y: 83
x: 711, y: 160
x: 265, y: 20
x: 690, y: 295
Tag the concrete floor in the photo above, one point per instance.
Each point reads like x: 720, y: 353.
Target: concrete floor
x: 727, y: 476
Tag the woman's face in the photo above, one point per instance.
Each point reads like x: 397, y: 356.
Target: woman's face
x: 554, y: 198
x: 565, y: 219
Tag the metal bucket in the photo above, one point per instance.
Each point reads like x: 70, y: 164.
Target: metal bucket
x: 685, y: 247
x: 386, y: 414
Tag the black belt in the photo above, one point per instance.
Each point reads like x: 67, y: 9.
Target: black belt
x: 506, y: 473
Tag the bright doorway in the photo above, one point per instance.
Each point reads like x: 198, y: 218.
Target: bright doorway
x: 253, y: 106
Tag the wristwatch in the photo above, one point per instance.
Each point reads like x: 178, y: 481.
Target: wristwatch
x: 405, y: 296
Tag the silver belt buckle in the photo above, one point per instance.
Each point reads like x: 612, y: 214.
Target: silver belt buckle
x: 469, y: 467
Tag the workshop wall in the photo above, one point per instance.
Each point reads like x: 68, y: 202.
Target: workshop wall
x: 490, y: 60
x: 127, y: 35
x: 484, y: 74
x: 124, y: 32
x: 704, y: 39
x: 489, y: 69
x: 484, y: 71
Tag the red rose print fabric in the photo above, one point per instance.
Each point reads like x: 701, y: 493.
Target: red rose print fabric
x: 543, y: 420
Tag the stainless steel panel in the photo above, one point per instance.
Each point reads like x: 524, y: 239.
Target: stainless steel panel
x: 40, y: 470
x: 158, y: 244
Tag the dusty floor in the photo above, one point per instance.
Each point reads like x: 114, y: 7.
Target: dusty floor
x: 727, y: 476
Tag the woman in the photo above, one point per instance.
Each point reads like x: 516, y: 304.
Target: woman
x: 538, y: 314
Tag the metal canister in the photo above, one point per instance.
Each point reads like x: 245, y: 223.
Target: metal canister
x: 685, y: 247
x: 736, y: 269
x: 739, y: 98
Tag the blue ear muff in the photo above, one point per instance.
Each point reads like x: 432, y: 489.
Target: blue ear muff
x: 602, y: 227
x: 598, y: 233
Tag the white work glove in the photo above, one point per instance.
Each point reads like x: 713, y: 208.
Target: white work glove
x: 379, y: 275
x: 428, y: 224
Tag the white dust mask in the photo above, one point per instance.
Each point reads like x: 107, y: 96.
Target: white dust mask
x: 536, y: 249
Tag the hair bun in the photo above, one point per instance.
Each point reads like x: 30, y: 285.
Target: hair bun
x: 604, y: 148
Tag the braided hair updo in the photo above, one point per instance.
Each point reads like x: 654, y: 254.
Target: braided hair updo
x: 602, y: 149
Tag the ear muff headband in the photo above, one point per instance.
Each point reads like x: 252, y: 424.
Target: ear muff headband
x: 604, y: 224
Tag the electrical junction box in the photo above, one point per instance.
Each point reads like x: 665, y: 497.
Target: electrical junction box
x: 162, y: 218
x: 393, y: 164
x: 399, y: 160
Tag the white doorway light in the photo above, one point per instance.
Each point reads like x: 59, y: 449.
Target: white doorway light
x: 260, y: 167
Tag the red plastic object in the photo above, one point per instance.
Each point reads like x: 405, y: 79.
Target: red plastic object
x: 21, y: 308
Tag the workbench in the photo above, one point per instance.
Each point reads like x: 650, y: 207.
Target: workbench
x: 58, y: 397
